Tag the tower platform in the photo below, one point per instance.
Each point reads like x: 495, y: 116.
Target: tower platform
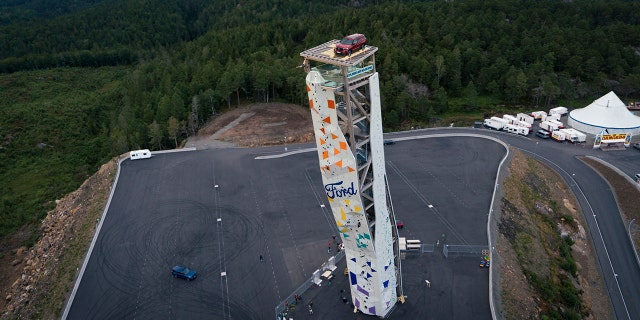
x: 324, y: 54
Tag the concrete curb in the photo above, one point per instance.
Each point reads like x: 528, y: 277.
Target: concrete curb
x: 93, y: 242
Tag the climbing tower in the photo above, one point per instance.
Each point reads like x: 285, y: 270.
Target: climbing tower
x: 344, y: 99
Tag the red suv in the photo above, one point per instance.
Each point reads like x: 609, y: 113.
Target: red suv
x: 350, y: 44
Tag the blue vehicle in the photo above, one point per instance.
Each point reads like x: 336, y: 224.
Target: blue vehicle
x: 183, y: 272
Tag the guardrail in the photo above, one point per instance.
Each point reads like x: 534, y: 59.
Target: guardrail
x: 291, y: 302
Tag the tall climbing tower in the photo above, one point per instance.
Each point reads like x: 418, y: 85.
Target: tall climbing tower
x: 344, y: 98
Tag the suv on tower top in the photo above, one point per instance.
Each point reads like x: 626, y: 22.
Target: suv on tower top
x: 351, y: 43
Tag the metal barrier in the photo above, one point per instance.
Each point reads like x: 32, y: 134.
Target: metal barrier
x: 291, y: 303
x: 427, y: 248
x: 464, y: 250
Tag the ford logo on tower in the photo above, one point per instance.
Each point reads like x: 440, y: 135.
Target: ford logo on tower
x: 337, y: 190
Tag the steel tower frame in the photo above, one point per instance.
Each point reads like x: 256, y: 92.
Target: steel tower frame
x: 344, y: 99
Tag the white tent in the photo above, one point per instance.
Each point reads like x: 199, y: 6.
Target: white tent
x: 608, y: 112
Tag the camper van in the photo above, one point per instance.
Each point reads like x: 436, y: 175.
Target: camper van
x: 140, y: 154
x: 542, y: 134
x: 515, y: 129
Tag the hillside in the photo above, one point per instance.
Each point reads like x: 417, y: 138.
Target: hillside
x: 549, y: 269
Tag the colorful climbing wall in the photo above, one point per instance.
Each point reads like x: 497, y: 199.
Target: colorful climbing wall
x: 372, y: 273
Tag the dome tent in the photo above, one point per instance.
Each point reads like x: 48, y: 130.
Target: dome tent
x: 607, y: 112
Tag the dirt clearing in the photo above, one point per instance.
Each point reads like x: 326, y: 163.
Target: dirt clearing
x: 257, y: 125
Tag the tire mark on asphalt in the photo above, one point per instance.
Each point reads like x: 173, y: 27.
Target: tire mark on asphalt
x: 263, y: 236
x: 426, y: 201
x: 445, y: 187
x: 283, y: 209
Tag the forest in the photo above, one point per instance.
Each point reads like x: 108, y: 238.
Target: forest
x: 82, y: 81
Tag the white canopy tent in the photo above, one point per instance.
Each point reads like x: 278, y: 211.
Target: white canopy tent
x: 607, y: 112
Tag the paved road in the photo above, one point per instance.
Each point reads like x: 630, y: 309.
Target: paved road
x: 608, y: 232
x: 165, y: 211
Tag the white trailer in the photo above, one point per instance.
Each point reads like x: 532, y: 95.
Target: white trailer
x: 558, y: 136
x: 510, y: 118
x: 574, y: 135
x: 548, y: 126
x: 500, y: 120
x: 551, y: 117
x: 140, y: 154
x: 494, y: 123
x: 556, y: 122
x: 523, y: 124
x: 525, y: 117
x: 538, y: 115
x: 516, y: 129
x: 559, y: 110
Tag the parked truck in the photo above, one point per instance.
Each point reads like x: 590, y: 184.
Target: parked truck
x: 558, y: 136
x: 574, y: 135
x: 495, y: 123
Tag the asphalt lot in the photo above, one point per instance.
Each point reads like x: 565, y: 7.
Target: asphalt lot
x: 167, y: 210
